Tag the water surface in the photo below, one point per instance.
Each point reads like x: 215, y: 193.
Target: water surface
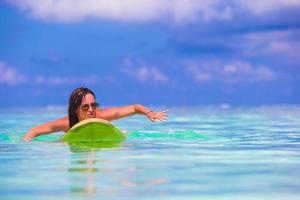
x: 199, y: 153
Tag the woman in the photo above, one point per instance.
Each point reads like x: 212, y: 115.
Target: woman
x: 83, y: 105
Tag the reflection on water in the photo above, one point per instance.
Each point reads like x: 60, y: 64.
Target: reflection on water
x: 87, y: 146
x: 87, y: 168
x: 82, y: 171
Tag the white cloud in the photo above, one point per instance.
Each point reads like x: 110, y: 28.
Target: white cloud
x: 10, y: 76
x: 60, y: 80
x: 231, y: 72
x: 143, y: 73
x: 244, y: 71
x: 260, y: 7
x: 125, y: 10
x: 200, y: 75
x: 179, y: 11
x: 279, y: 44
x: 288, y: 49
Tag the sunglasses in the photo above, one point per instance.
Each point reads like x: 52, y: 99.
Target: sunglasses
x: 86, y: 106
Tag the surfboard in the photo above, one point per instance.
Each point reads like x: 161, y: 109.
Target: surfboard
x: 94, y: 130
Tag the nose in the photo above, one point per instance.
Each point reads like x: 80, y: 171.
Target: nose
x: 91, y: 109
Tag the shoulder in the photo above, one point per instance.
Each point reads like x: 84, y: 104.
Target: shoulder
x: 61, y: 123
x: 115, y: 113
x: 103, y: 113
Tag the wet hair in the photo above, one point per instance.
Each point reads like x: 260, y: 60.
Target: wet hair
x: 74, y: 103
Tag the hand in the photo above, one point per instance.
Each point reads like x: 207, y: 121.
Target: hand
x: 29, y: 135
x: 155, y: 116
x: 27, y: 138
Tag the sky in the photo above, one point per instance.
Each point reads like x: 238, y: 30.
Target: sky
x: 152, y: 52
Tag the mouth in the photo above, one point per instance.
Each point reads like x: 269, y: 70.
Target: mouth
x: 89, y: 114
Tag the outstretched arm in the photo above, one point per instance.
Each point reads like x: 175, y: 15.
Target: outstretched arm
x: 61, y: 124
x: 125, y: 111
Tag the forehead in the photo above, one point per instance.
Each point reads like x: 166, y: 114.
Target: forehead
x: 89, y: 98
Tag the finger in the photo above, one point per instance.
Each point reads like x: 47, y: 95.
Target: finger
x: 164, y: 111
x: 162, y: 115
x: 162, y: 118
x: 153, y: 119
x: 165, y: 114
x: 165, y: 118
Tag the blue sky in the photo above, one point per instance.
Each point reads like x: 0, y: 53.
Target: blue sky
x: 168, y: 53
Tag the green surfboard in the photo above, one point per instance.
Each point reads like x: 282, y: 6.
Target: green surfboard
x: 94, y: 130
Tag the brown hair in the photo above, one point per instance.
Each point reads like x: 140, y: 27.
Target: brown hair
x: 75, y: 101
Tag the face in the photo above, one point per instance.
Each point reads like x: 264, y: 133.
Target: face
x: 87, y: 109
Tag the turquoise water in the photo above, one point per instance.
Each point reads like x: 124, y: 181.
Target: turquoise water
x: 199, y: 153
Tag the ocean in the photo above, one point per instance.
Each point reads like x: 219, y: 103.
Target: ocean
x: 211, y: 152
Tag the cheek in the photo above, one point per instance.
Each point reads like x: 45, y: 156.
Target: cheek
x: 79, y: 113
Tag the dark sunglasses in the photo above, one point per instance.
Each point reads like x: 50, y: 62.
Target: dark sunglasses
x: 86, y: 106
